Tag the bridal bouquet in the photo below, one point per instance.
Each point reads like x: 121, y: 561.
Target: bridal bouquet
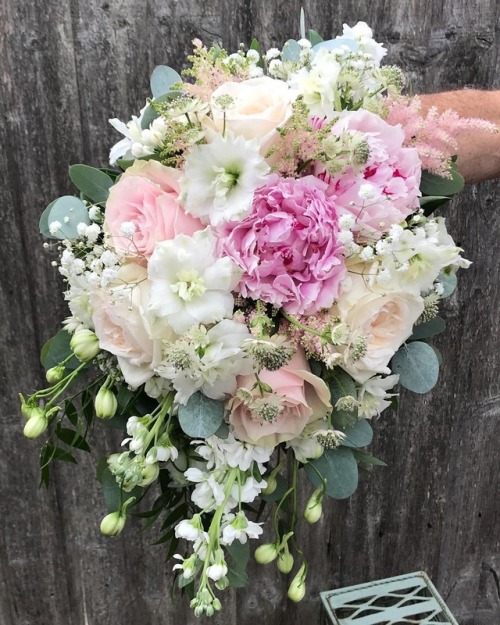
x: 248, y: 283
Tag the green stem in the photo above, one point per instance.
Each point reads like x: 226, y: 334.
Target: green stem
x: 297, y: 323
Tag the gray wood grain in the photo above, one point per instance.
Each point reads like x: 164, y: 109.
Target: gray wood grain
x: 66, y: 66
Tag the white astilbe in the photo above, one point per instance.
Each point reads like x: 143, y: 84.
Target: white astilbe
x: 220, y: 178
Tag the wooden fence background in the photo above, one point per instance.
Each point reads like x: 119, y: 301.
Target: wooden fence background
x: 66, y: 66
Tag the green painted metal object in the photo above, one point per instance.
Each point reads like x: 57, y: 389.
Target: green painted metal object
x: 404, y: 600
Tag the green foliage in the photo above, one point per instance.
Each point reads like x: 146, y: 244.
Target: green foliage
x: 277, y: 494
x: 314, y: 37
x: 363, y: 458
x: 150, y: 113
x: 449, y: 282
x: 428, y: 328
x: 341, y: 384
x: 340, y: 470
x: 56, y: 350
x: 360, y: 435
x: 438, y: 190
x: 71, y: 438
x: 69, y: 211
x: 201, y: 416
x: 417, y: 366
x: 291, y: 51
x: 237, y: 560
x: 92, y: 182
x: 48, y: 454
x: 162, y: 79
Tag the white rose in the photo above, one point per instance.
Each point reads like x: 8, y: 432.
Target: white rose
x: 121, y: 326
x: 260, y: 106
x: 384, y: 321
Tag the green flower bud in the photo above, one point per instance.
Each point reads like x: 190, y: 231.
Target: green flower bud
x: 149, y: 474
x: 105, y: 403
x: 113, y: 524
x: 285, y: 561
x: 297, y: 589
x: 314, y: 507
x: 36, y: 424
x: 55, y: 374
x: 266, y: 553
x: 222, y: 583
x: 85, y: 345
x: 217, y: 604
x: 272, y: 484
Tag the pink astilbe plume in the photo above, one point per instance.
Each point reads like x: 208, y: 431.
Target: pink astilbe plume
x: 435, y: 135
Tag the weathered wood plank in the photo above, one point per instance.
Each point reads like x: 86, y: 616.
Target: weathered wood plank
x: 65, y: 68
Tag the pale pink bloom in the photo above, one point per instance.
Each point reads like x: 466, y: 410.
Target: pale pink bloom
x: 392, y: 175
x: 287, y: 246
x: 147, y: 196
x: 121, y: 326
x: 305, y: 397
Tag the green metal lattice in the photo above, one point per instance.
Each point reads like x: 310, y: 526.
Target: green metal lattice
x: 404, y: 600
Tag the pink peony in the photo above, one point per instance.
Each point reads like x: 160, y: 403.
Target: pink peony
x: 147, y: 196
x: 305, y: 397
x: 389, y: 182
x: 287, y: 247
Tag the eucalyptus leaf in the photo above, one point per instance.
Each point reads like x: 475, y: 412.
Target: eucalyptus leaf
x: 339, y: 468
x: 434, y: 185
x: 69, y: 211
x: 449, y: 282
x: 56, y: 350
x: 360, y: 435
x: 223, y: 431
x: 92, y: 182
x: 341, y: 384
x: 364, y: 458
x: 162, y: 78
x: 150, y: 114
x: 417, y: 366
x: 43, y: 224
x: 202, y: 416
x: 428, y: 329
x: 291, y: 51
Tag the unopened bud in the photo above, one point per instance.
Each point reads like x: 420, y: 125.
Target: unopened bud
x: 285, y: 561
x: 217, y: 604
x: 222, y: 583
x: 149, y: 474
x: 55, y: 374
x: 36, y: 424
x: 266, y: 553
x: 314, y: 507
x: 272, y: 484
x: 113, y: 524
x: 85, y: 345
x: 297, y: 589
x: 105, y: 403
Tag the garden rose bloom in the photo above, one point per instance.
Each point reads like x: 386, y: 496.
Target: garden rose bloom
x: 120, y: 324
x: 287, y: 246
x: 389, y: 182
x: 384, y: 320
x: 306, y: 398
x: 260, y: 106
x: 147, y: 197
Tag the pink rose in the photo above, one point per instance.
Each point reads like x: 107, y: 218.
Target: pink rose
x: 305, y: 398
x: 147, y: 195
x: 287, y: 246
x: 386, y: 190
x: 121, y: 326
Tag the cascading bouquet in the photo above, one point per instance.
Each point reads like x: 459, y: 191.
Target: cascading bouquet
x: 247, y: 285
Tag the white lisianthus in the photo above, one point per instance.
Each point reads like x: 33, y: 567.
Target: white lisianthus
x: 189, y: 284
x: 373, y: 397
x: 214, y: 367
x: 417, y: 256
x: 220, y: 178
x: 379, y: 323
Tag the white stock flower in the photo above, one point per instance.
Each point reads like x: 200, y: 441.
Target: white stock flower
x: 190, y: 529
x: 319, y: 86
x: 373, y: 397
x: 220, y: 178
x: 362, y: 33
x: 238, y: 527
x: 189, y: 285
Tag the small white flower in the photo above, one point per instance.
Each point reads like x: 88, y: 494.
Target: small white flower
x: 81, y: 228
x: 190, y: 529
x: 373, y: 397
x: 366, y: 253
x: 127, y: 228
x: 238, y: 527
x: 366, y: 192
x: 272, y: 53
x: 304, y: 43
x: 54, y: 227
x: 253, y: 56
x: 346, y: 222
x: 217, y: 571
